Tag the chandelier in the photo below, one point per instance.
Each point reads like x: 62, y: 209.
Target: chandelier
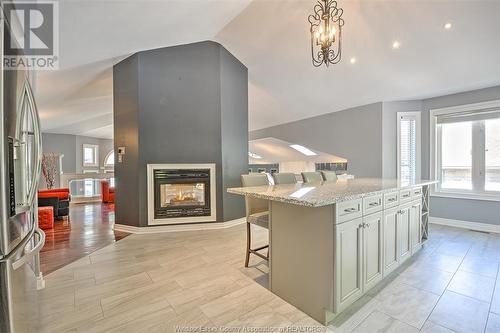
x: 326, y: 33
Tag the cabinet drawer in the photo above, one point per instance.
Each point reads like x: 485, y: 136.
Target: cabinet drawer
x: 349, y: 210
x: 391, y: 199
x: 372, y: 204
x: 416, y: 192
x: 405, y: 195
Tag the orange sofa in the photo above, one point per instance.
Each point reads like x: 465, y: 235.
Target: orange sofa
x: 107, y: 191
x: 58, y: 198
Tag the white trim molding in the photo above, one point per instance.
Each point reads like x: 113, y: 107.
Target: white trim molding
x: 176, y: 220
x: 179, y: 227
x: 485, y: 227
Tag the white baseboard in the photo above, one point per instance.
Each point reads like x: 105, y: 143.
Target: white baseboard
x: 466, y: 224
x: 178, y: 227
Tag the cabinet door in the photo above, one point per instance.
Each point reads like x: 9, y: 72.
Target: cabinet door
x: 372, y: 250
x: 391, y: 247
x: 348, y: 263
x: 416, y: 226
x: 404, y: 231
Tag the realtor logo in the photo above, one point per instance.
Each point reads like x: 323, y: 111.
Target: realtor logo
x: 32, y: 38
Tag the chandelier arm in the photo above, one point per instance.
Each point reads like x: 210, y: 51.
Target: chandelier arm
x: 338, y: 57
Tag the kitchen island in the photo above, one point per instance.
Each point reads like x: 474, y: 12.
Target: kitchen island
x: 330, y: 242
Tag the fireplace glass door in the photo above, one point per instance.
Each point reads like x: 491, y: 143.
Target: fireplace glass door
x: 182, y: 193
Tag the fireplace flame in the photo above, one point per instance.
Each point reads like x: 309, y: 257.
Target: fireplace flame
x: 181, y: 196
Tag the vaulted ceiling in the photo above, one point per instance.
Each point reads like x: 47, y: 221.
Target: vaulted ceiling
x: 272, y: 39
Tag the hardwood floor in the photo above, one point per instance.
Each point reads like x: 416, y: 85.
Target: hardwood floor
x: 88, y: 228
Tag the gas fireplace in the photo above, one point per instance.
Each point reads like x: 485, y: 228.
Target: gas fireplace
x: 180, y: 193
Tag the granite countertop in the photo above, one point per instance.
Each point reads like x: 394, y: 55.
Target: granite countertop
x: 326, y: 193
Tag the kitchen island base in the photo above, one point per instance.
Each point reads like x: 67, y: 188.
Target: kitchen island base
x: 322, y: 261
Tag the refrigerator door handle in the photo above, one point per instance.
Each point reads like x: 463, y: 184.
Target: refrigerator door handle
x: 18, y: 247
x: 28, y: 93
x: 36, y: 249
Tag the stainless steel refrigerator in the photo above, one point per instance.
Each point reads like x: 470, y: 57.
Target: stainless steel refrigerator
x: 20, y: 163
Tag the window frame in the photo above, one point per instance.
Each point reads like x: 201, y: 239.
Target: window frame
x: 478, y: 191
x: 417, y: 115
x: 106, y: 165
x: 96, y: 155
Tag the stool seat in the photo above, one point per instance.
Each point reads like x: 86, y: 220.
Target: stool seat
x: 261, y: 219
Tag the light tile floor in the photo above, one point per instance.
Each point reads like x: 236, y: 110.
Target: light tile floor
x: 175, y: 281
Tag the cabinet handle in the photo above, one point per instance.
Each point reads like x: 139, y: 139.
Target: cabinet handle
x: 373, y: 204
x: 391, y: 199
x: 350, y: 210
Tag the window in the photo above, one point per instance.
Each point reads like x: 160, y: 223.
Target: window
x: 109, y: 161
x: 90, y: 155
x: 466, y: 150
x: 456, y: 156
x: 408, y: 146
x: 492, y: 154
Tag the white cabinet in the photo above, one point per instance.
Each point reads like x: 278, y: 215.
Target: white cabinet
x: 359, y: 258
x: 416, y: 226
x: 348, y: 263
x: 404, y: 231
x: 373, y: 231
x: 391, y: 239
x: 370, y: 247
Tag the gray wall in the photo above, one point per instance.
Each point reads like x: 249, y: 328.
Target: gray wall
x: 191, y: 108
x: 126, y: 134
x: 61, y: 144
x: 71, y: 146
x: 354, y: 134
x: 459, y: 209
x: 367, y: 137
x: 234, y: 130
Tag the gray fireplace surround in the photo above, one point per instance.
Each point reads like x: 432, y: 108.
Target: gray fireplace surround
x: 184, y: 104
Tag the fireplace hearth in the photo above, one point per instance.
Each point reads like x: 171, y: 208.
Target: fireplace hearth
x: 181, y: 193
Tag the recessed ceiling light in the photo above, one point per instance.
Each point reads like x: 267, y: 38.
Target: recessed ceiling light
x: 447, y: 25
x: 303, y: 150
x: 353, y: 60
x: 396, y: 45
x: 252, y: 155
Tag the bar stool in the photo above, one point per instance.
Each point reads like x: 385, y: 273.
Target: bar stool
x: 309, y: 177
x: 284, y: 178
x: 257, y: 213
x: 329, y: 175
